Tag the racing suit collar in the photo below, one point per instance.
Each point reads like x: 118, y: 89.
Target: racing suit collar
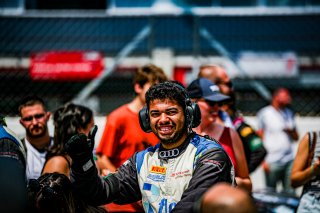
x: 175, y: 152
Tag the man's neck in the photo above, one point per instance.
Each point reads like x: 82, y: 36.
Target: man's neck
x: 41, y: 142
x: 276, y: 106
x: 177, y: 144
x: 135, y: 105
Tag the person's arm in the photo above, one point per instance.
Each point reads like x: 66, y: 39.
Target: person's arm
x: 293, y: 134
x: 260, y: 132
x: 92, y: 188
x: 121, y: 187
x: 107, y: 145
x: 265, y: 165
x: 291, y: 130
x: 241, y: 170
x: 105, y: 165
x: 301, y: 174
x: 57, y: 164
x: 213, y: 167
x: 260, y: 120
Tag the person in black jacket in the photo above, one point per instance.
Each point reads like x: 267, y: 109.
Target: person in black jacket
x: 170, y: 176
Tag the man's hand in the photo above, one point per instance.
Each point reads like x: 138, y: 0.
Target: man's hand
x: 292, y: 133
x: 316, y: 167
x: 80, y: 148
x: 266, y: 167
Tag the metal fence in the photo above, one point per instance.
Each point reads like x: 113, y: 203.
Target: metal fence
x: 23, y: 35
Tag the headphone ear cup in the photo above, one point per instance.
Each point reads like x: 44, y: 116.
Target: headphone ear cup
x: 144, y: 120
x: 189, y: 115
x: 196, y: 115
x: 193, y: 114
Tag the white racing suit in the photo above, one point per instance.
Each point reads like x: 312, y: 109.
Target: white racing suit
x: 166, y: 180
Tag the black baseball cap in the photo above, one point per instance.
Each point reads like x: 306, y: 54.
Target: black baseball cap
x: 206, y: 89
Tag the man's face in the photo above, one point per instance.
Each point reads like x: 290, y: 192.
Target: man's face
x: 34, y: 119
x: 167, y: 121
x: 224, y: 83
x: 284, y: 98
x: 219, y: 76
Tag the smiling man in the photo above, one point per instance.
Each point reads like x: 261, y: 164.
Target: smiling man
x: 34, y: 118
x: 168, y: 177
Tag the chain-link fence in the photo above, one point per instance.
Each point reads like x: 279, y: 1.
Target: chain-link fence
x: 24, y: 35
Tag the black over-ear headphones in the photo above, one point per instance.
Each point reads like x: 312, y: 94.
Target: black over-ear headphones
x: 192, y: 113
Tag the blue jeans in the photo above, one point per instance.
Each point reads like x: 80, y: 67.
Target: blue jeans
x: 309, y: 203
x: 280, y: 172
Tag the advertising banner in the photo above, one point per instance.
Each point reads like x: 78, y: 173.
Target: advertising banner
x: 66, y: 65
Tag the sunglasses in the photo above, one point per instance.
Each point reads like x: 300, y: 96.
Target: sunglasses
x: 213, y: 103
x: 36, y: 116
x: 228, y: 84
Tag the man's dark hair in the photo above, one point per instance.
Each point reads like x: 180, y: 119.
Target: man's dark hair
x: 167, y: 90
x: 30, y: 101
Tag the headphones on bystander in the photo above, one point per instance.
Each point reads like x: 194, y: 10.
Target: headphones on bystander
x: 192, y: 113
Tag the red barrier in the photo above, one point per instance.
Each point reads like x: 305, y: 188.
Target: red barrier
x: 66, y: 65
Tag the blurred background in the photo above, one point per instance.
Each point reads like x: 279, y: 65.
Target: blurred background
x: 87, y: 51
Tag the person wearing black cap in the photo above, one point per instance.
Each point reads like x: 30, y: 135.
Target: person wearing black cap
x: 208, y: 96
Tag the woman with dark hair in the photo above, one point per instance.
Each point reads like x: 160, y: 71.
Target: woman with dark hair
x: 68, y: 120
x: 52, y: 193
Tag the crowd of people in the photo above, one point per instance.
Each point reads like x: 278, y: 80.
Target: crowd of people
x: 173, y: 148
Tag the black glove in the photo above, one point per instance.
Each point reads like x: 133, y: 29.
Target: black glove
x: 80, y: 147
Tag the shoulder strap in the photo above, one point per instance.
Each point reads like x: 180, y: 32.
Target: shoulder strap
x: 312, y: 145
x: 225, y: 133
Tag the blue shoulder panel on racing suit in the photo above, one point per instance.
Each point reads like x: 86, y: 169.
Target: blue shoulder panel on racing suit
x: 4, y: 133
x: 140, y: 155
x: 204, y: 144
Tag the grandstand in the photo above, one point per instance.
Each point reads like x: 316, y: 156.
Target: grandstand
x: 179, y: 35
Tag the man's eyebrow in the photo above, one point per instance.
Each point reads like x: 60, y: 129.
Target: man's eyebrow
x: 172, y: 108
x: 168, y: 109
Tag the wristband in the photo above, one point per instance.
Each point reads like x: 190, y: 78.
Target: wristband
x: 312, y: 169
